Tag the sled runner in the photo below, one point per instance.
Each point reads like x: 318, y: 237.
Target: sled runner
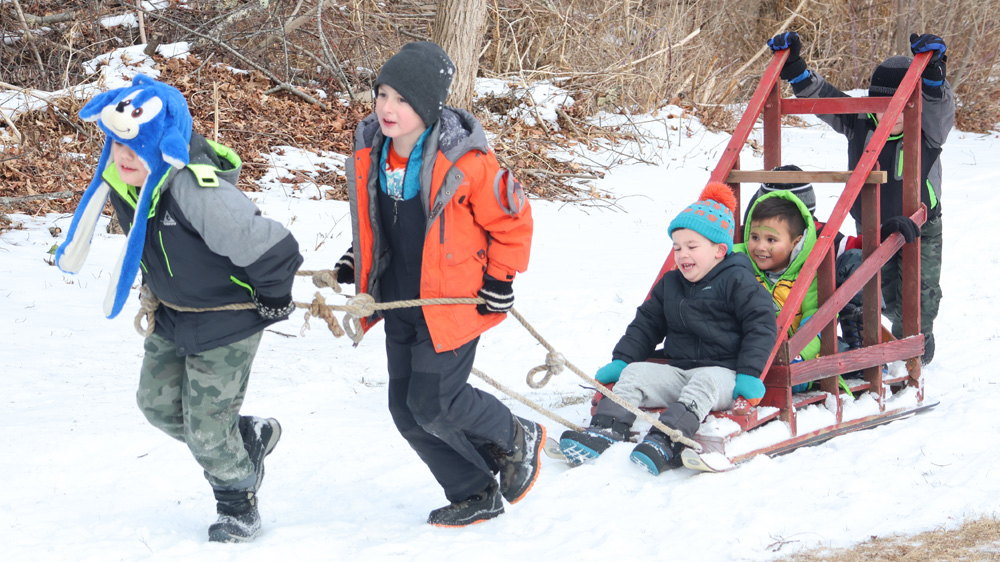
x: 885, y: 382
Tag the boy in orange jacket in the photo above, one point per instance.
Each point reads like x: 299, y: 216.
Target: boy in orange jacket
x: 434, y: 215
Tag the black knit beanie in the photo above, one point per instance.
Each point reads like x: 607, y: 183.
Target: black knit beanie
x: 421, y: 72
x: 804, y: 191
x: 888, y: 75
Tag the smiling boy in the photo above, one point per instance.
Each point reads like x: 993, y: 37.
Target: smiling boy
x: 717, y: 327
x: 433, y: 216
x: 779, y: 234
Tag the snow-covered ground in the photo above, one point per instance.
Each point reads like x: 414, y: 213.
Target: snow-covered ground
x: 86, y: 478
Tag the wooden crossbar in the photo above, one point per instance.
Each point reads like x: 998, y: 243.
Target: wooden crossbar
x: 792, y: 176
x: 832, y: 106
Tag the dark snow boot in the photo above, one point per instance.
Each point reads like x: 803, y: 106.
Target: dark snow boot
x: 519, y: 467
x: 657, y: 453
x: 582, y: 446
x: 476, y: 508
x: 928, y: 355
x: 259, y: 438
x: 239, y: 520
x: 850, y: 326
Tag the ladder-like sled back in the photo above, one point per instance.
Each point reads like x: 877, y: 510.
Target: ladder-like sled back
x: 888, y: 390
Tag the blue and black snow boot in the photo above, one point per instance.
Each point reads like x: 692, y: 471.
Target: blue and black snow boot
x: 657, y: 453
x: 582, y: 446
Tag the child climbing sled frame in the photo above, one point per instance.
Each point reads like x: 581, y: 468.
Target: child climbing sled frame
x: 879, y: 397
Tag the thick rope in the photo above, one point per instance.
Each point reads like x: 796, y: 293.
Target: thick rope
x: 526, y: 401
x: 363, y: 305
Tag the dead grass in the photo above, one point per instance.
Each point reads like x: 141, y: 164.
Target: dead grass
x: 976, y: 540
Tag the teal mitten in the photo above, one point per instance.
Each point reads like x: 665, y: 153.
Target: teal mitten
x: 610, y: 372
x: 750, y: 388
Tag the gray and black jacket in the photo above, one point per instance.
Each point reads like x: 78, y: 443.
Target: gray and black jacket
x: 724, y: 320
x: 937, y: 119
x: 207, y: 245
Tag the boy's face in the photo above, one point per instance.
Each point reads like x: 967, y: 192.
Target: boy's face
x: 128, y: 164
x: 397, y: 119
x: 770, y: 245
x: 695, y: 255
x: 897, y: 128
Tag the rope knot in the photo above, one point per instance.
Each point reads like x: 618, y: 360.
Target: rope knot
x: 326, y: 278
x: 148, y: 303
x: 555, y: 362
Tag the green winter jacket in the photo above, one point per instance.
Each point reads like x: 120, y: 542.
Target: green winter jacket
x: 782, y: 287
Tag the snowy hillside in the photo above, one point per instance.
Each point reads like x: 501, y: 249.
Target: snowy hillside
x: 86, y: 478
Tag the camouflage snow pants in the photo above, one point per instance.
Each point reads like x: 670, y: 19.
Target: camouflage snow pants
x: 196, y: 399
x: 930, y: 281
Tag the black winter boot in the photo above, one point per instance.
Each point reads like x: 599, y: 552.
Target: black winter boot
x: 519, y: 468
x: 582, y: 446
x: 850, y: 326
x: 657, y: 453
x: 260, y: 436
x: 239, y: 520
x: 928, y: 355
x: 476, y: 508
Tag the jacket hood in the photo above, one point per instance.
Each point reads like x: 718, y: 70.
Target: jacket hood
x: 456, y: 132
x: 805, y: 246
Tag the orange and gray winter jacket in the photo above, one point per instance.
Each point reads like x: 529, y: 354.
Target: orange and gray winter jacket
x: 478, y: 222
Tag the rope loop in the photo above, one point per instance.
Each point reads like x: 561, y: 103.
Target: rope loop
x: 555, y: 362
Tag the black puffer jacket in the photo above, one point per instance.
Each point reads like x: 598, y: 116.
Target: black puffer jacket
x: 726, y: 320
x: 206, y: 246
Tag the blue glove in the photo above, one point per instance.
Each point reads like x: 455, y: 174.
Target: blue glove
x: 934, y: 72
x: 927, y: 42
x: 750, y: 388
x: 794, y: 67
x: 610, y: 372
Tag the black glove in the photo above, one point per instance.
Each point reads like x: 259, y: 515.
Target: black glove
x: 499, y: 296
x: 345, y: 268
x: 274, y: 308
x: 934, y: 72
x: 902, y: 225
x: 794, y: 65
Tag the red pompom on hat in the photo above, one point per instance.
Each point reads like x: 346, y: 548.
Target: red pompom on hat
x: 711, y: 216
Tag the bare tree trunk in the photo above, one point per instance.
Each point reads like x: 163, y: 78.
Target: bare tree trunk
x: 902, y: 32
x: 458, y: 27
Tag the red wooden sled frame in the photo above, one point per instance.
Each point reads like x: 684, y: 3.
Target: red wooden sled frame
x: 879, y: 346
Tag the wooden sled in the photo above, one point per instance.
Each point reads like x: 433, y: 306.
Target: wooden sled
x: 890, y: 387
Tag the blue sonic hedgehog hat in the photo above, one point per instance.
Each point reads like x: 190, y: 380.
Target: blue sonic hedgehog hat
x: 153, y: 120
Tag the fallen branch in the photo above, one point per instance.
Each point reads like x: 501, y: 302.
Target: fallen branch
x: 23, y: 198
x: 52, y: 18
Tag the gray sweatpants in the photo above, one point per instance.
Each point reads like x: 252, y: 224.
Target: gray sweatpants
x: 655, y: 385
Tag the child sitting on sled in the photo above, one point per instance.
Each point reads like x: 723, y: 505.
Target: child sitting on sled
x: 201, y: 244
x: 778, y: 235
x: 717, y: 326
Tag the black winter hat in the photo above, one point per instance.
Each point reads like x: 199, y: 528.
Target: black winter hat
x: 421, y: 72
x: 888, y: 75
x: 804, y: 191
